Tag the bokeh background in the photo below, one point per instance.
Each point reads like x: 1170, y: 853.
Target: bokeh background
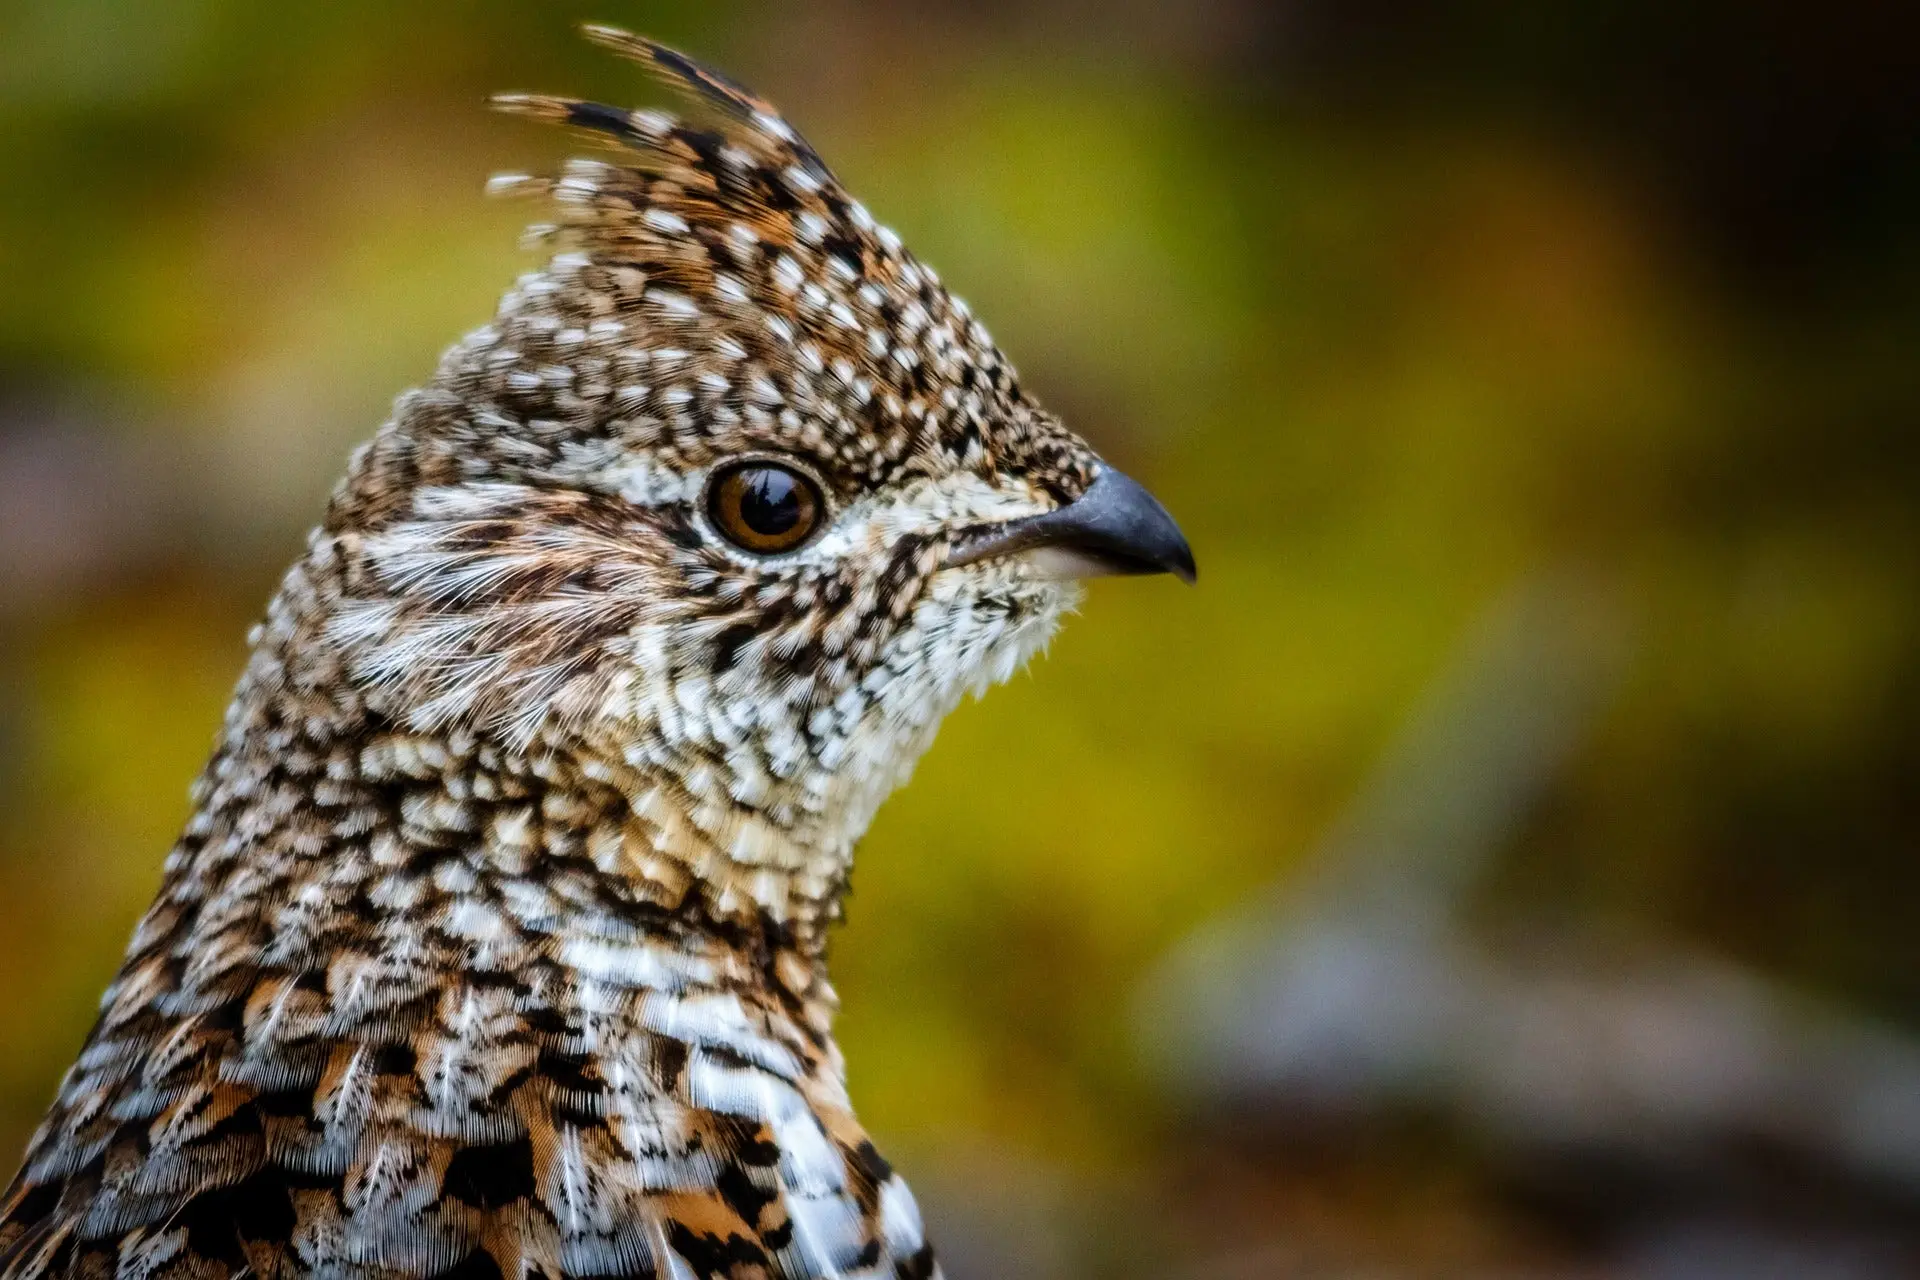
x: 1504, y: 863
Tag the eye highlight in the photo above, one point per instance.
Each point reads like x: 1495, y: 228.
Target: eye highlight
x: 764, y: 507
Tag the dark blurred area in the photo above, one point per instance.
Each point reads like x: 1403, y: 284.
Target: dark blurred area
x: 1504, y: 864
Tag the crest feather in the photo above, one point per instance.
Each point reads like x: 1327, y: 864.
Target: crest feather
x: 738, y: 216
x: 652, y: 130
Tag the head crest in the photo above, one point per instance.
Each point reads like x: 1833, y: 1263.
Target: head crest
x: 660, y: 136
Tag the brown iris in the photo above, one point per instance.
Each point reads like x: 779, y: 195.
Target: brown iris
x: 764, y: 507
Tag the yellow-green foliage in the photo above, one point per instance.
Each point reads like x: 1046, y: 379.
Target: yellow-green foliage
x: 1380, y: 369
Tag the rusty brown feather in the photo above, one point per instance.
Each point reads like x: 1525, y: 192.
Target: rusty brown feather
x: 495, y: 944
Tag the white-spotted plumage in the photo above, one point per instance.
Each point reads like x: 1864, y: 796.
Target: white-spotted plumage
x: 495, y: 945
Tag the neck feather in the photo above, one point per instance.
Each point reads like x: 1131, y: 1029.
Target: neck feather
x: 333, y: 846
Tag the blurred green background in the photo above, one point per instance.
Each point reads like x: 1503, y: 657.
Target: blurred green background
x: 1395, y: 305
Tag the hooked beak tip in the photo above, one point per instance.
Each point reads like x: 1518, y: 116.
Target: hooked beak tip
x: 1115, y: 527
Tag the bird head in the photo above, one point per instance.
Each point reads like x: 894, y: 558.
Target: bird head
x: 730, y: 504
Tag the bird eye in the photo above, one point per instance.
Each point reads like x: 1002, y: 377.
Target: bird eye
x: 764, y: 507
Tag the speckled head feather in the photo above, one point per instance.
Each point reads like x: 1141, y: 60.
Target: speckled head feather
x: 494, y: 946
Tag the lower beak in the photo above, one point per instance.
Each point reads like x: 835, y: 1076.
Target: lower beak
x: 1114, y: 527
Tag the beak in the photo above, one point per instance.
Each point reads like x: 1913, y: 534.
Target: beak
x: 1114, y: 527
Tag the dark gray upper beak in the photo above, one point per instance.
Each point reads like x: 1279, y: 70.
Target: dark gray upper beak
x: 1114, y: 527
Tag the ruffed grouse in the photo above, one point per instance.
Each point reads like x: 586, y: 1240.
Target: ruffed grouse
x: 494, y: 946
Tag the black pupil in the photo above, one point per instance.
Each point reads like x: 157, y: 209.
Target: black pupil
x: 769, y: 501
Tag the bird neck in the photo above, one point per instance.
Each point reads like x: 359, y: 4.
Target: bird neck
x: 387, y: 869
x: 345, y: 854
